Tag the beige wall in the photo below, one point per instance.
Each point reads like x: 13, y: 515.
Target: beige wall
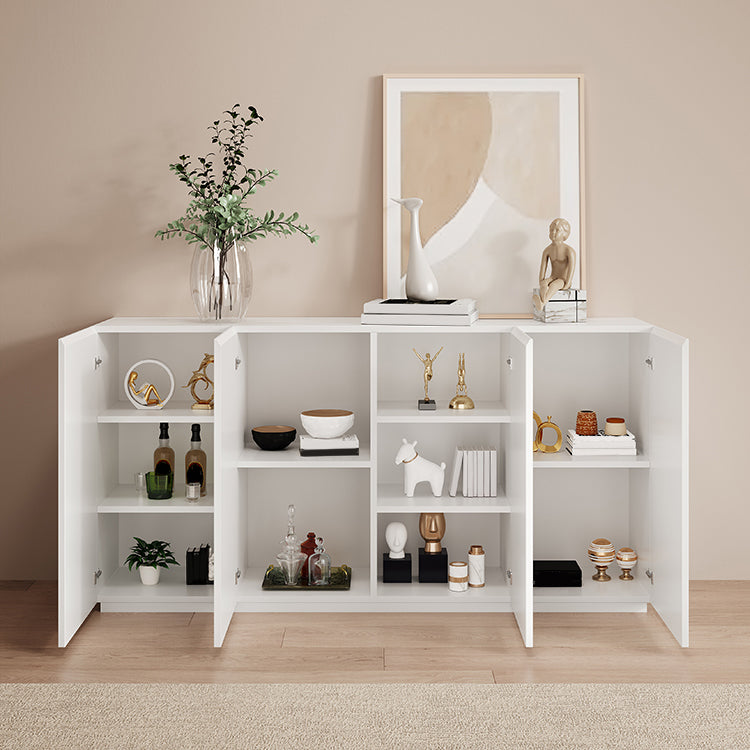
x: 97, y: 97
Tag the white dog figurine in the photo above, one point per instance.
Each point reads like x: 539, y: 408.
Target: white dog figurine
x: 418, y: 469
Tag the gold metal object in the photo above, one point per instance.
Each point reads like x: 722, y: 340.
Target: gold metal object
x: 538, y: 422
x: 201, y: 376
x: 461, y: 400
x: 539, y: 442
x: 427, y: 361
x: 147, y: 392
x: 432, y: 530
x: 601, y: 573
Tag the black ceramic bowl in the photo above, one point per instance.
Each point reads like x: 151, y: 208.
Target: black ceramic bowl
x: 273, y: 437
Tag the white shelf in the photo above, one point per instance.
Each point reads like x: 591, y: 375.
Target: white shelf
x: 253, y: 457
x: 495, y: 592
x: 406, y: 412
x: 252, y: 598
x: 123, y: 499
x: 564, y: 460
x: 391, y: 499
x: 594, y: 596
x: 131, y: 415
x: 124, y: 592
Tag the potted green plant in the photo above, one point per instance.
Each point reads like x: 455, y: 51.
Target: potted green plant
x: 149, y: 557
x: 218, y: 222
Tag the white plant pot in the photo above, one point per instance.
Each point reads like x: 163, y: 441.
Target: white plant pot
x: 149, y: 576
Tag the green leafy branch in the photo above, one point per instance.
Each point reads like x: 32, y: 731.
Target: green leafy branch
x: 216, y: 213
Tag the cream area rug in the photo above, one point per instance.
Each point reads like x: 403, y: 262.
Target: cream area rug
x: 402, y: 717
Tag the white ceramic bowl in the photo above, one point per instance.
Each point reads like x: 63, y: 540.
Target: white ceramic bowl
x: 327, y: 423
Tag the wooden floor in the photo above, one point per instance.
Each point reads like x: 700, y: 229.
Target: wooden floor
x: 317, y: 647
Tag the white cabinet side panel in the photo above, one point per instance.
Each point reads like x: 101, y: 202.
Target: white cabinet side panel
x: 518, y: 542
x: 80, y: 480
x: 230, y: 410
x: 668, y: 491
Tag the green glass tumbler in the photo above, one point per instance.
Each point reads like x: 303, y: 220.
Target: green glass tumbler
x: 159, y: 486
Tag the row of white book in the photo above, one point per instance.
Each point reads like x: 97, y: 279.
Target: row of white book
x: 479, y: 469
x: 600, y: 444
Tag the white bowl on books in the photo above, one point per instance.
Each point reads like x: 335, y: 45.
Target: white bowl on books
x: 327, y: 423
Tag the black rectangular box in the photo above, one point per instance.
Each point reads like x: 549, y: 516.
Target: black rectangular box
x: 397, y: 571
x: 433, y: 566
x: 557, y: 573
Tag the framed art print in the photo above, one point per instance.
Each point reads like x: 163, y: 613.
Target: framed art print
x: 495, y: 160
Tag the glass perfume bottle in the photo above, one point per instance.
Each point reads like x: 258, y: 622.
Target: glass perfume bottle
x: 290, y: 559
x: 319, y: 565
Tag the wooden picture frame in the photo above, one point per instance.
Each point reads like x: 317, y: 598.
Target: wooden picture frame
x: 495, y: 160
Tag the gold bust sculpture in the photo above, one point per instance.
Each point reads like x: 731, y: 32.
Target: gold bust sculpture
x: 561, y: 259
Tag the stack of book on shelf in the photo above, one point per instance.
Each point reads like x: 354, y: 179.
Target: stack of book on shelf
x: 441, y: 312
x: 346, y: 445
x: 600, y: 444
x: 197, y: 569
x: 479, y: 472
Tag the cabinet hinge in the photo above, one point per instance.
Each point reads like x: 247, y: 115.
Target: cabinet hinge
x: 237, y: 576
x: 97, y: 362
x: 509, y: 362
x: 650, y: 575
x: 509, y: 576
x: 650, y: 362
x: 97, y: 576
x: 237, y: 363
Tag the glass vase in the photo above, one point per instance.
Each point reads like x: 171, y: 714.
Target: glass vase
x: 221, y: 281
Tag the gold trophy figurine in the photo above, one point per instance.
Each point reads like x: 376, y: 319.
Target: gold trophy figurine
x: 201, y: 376
x: 426, y: 403
x: 461, y: 400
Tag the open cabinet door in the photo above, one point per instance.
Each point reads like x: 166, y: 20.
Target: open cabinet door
x: 518, y: 480
x: 668, y: 478
x: 229, y: 427
x: 80, y: 484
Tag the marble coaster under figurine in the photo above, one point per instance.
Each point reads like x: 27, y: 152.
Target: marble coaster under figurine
x: 626, y: 559
x: 601, y: 552
x: 567, y: 306
x: 426, y: 403
x: 461, y: 400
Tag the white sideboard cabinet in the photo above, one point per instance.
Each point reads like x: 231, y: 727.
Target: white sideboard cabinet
x: 548, y: 506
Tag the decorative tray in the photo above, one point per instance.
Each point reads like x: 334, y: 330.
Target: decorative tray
x: 341, y: 580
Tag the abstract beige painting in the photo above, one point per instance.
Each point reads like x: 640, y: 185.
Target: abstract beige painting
x: 495, y: 161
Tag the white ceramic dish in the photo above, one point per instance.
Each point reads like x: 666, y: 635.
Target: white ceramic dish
x: 326, y: 423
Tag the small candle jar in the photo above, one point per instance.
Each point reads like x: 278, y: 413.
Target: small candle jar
x: 615, y: 426
x: 458, y: 576
x: 476, y: 566
x: 193, y: 492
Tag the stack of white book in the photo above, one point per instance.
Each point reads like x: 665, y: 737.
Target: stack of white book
x: 600, y: 444
x: 479, y: 472
x: 346, y: 445
x: 441, y: 312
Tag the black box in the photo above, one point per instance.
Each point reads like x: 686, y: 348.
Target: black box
x: 397, y: 571
x: 433, y: 566
x: 557, y: 573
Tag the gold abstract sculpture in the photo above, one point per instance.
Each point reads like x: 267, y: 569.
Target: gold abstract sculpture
x: 201, y: 376
x: 537, y: 422
x: 146, y: 394
x: 461, y: 400
x: 428, y: 362
x: 539, y: 442
x: 562, y: 261
x: 432, y: 530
